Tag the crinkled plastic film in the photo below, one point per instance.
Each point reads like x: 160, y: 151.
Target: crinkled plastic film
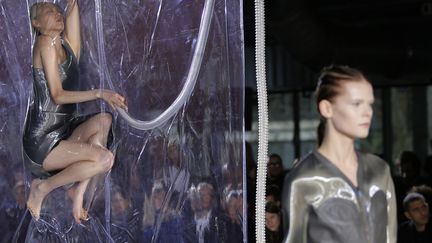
x: 178, y: 181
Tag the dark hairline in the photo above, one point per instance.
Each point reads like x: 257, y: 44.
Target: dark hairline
x: 407, y: 204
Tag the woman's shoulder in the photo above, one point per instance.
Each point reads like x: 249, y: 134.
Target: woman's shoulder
x: 373, y: 161
x: 305, y: 160
x: 302, y: 166
x: 43, y: 43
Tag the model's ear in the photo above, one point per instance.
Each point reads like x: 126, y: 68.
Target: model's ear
x: 35, y: 23
x: 407, y: 215
x: 325, y: 108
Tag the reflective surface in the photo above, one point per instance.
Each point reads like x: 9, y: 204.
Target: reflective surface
x: 322, y: 205
x: 179, y: 182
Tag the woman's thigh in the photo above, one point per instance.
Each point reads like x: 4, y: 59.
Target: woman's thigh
x: 98, y: 123
x: 68, y: 152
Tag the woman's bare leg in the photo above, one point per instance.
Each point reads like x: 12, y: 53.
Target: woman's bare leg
x: 76, y: 194
x: 78, y: 161
x: 94, y: 131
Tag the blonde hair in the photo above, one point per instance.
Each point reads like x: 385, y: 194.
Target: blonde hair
x: 34, y: 9
x: 34, y: 12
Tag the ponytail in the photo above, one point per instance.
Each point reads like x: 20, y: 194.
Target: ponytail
x: 321, y: 131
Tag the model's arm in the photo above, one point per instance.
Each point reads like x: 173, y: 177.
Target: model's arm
x: 72, y: 30
x: 391, y: 209
x: 61, y: 96
x: 294, y: 210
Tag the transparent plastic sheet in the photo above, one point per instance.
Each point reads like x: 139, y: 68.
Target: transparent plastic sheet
x: 181, y: 181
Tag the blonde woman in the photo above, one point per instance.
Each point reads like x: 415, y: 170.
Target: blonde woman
x: 61, y: 148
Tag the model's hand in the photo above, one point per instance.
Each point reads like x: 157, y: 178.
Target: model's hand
x: 112, y: 98
x: 70, y: 2
x: 70, y: 6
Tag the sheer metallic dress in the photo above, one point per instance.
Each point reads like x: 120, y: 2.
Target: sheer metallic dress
x: 320, y: 204
x: 47, y: 123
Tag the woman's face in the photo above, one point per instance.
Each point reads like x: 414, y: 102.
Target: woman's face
x: 350, y: 112
x: 206, y: 197
x: 49, y: 17
x: 232, y: 209
x: 119, y: 204
x: 272, y: 221
x: 158, y: 198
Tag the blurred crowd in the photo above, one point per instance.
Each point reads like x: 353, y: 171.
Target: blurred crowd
x: 167, y: 202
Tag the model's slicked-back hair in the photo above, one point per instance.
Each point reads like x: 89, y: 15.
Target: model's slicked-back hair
x: 329, y: 86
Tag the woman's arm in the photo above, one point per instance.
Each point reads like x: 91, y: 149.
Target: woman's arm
x: 72, y: 30
x: 61, y: 96
x: 391, y: 209
x: 294, y: 210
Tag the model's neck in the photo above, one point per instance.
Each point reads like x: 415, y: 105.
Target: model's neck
x: 50, y: 33
x: 54, y: 35
x: 339, y: 149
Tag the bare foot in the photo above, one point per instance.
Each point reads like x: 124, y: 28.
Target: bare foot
x: 35, y: 199
x: 78, y: 212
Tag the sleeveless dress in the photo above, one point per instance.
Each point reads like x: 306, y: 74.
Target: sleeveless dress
x: 47, y: 123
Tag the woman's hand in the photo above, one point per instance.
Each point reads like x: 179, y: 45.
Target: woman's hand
x: 112, y: 98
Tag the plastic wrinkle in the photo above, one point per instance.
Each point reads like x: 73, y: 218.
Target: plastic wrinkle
x: 178, y: 149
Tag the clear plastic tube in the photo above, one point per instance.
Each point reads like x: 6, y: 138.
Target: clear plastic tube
x: 191, y: 79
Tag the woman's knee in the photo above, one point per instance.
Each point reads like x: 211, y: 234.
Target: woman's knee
x: 106, y: 160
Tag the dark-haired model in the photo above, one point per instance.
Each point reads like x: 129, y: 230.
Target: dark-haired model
x: 337, y: 194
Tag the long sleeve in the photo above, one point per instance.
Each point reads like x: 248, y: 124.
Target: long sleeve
x: 295, y: 211
x: 321, y: 205
x: 391, y: 209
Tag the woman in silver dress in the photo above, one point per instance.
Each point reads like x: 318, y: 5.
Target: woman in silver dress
x: 335, y: 193
x: 59, y: 147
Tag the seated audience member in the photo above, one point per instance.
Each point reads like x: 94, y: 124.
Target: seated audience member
x: 232, y: 219
x: 177, y: 171
x: 206, y: 225
x: 125, y: 219
x: 410, y: 168
x: 417, y: 229
x: 273, y: 194
x: 425, y: 191
x: 161, y: 223
x: 233, y: 206
x: 273, y: 223
x: 275, y: 171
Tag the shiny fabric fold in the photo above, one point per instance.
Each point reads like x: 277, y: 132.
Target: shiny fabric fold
x: 47, y: 123
x: 320, y: 204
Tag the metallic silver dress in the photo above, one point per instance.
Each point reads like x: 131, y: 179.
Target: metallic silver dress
x: 320, y: 204
x: 47, y: 123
